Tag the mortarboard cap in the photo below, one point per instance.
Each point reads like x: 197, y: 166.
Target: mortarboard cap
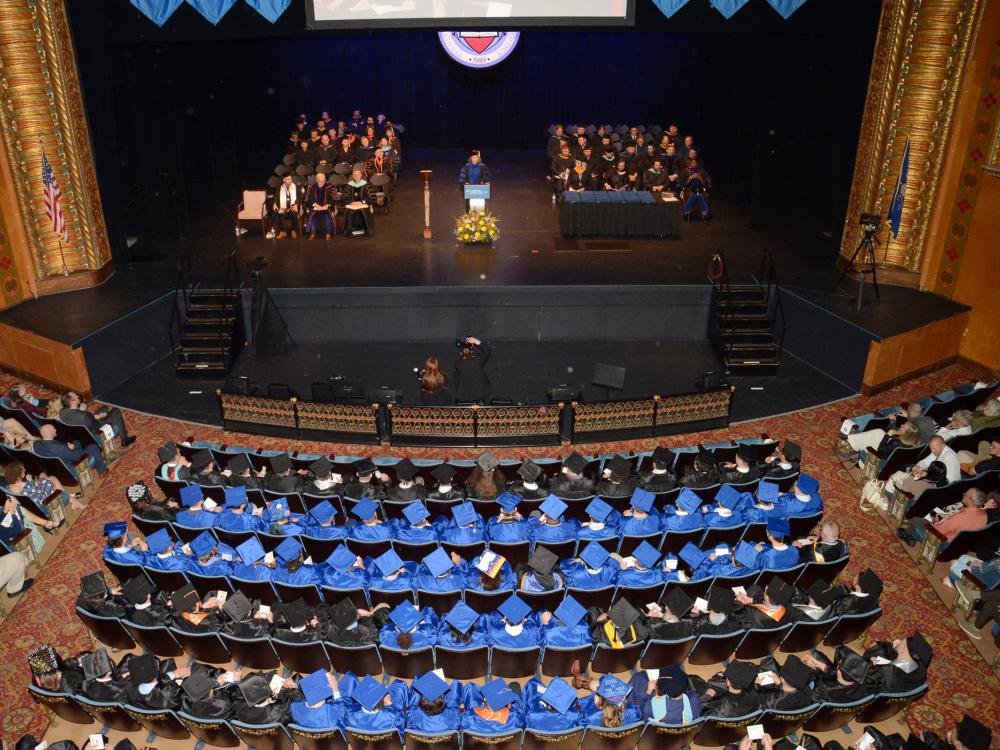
x: 142, y: 669
x: 807, y: 484
x: 289, y: 549
x: 514, y: 609
x: 795, y: 673
x: 166, y: 452
x: 778, y: 527
x: 553, y: 507
x: 706, y: 458
x: 740, y: 674
x: 721, y: 600
x: 342, y: 559
x: 184, y: 599
x: 443, y: 473
x: 678, y: 602
x: 322, y: 511
x: 315, y: 687
x: 388, y: 562
x: 237, y: 606
x: 821, y: 593
x: 490, y: 563
x: 430, y: 686
x: 235, y: 497
x: 137, y: 589
x: 254, y: 689
x: 746, y: 554
x: 688, y: 501
x: 620, y: 467
x: 559, y: 695
x: 251, y: 550
x: 497, y: 694
x: 747, y: 452
x: 870, y: 583
x: 854, y: 667
x: 201, y: 459
x: 464, y: 514
x: 779, y: 592
x: 280, y: 464
x: 405, y: 470
x: 642, y: 500
x: 570, y: 612
x: 204, y: 543
x: 321, y: 467
x: 623, y: 614
x: 416, y: 512
x: 673, y: 681
x: 365, y: 508
x: 93, y: 584
x: 594, y: 555
x: 973, y: 734
x: 767, y: 492
x: 115, y: 529
x: 363, y: 467
x: 575, y: 463
x: 692, y: 555
x: 599, y: 510
x: 613, y: 689
x: 529, y: 471
x: 487, y: 461
x: 296, y: 613
x: 646, y: 554
x: 159, y: 541
x: 792, y: 451
x: 919, y: 648
x: 191, y: 495
x: 344, y: 613
x: 461, y: 617
x: 728, y: 496
x: 238, y: 463
x: 405, y: 616
x: 96, y: 664
x: 508, y: 502
x: 542, y: 560
x: 369, y: 693
x: 43, y: 660
x: 663, y: 456
x: 438, y: 562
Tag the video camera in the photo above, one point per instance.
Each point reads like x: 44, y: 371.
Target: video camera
x: 870, y: 222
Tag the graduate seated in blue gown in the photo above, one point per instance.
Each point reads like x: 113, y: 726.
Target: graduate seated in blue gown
x: 603, y: 521
x: 538, y: 574
x: 161, y: 555
x: 490, y: 572
x: 769, y: 504
x: 119, y: 548
x: 254, y: 564
x: 440, y: 571
x: 234, y: 516
x: 609, y: 705
x: 776, y: 555
x: 295, y: 570
x: 373, y: 707
x: 409, y: 628
x: 415, y: 526
x: 433, y: 705
x: 465, y: 526
x: 322, y: 706
x: 728, y: 510
x: 695, y: 560
x: 685, y: 514
x: 509, y: 525
x: 493, y: 708
x: 593, y: 569
x: 369, y: 526
x: 804, y: 499
x: 513, y: 624
x: 198, y: 510
x: 549, y: 525
x: 669, y: 699
x: 462, y: 627
x: 640, y: 519
x: 551, y: 708
x: 567, y: 626
x: 719, y: 562
x: 640, y: 569
x: 388, y: 572
x: 345, y: 570
x: 319, y: 524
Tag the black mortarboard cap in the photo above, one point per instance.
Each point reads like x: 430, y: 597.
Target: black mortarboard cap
x: 280, y: 463
x: 821, y: 593
x: 619, y: 466
x: 344, y: 613
x: 542, y: 560
x: 663, y: 456
x: 722, y: 600
x: 405, y: 470
x: 296, y: 613
x: 679, y: 602
x: 238, y: 463
x: 779, y: 592
x: 184, y: 599
x: 575, y: 462
x: 792, y: 451
x: 142, y: 669
x: 529, y: 471
x: 201, y: 459
x: 914, y: 742
x: 870, y: 583
x: 623, y: 614
x: 363, y: 467
x: 747, y: 452
x: 706, y: 458
x: 137, y: 589
x: 740, y: 674
x: 919, y: 648
x: 93, y: 584
x: 321, y: 467
x: 487, y: 461
x: 197, y: 686
x: 854, y: 667
x: 237, y: 606
x: 973, y: 734
x: 795, y: 673
x: 166, y: 452
x: 255, y: 688
x: 96, y: 664
x: 443, y: 473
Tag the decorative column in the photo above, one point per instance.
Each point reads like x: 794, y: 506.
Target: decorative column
x: 917, y: 72
x: 41, y: 107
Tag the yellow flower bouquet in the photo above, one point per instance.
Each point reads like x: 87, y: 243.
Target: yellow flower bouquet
x: 476, y: 228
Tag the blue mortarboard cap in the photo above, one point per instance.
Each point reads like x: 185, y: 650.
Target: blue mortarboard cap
x: 316, y: 687
x: 559, y: 695
x: 365, y: 509
x: 807, y: 484
x: 430, y: 686
x: 251, y: 550
x: 594, y: 555
x: 342, y: 559
x: 322, y: 511
x: 570, y: 612
x: 115, y: 529
x: 508, y: 501
x: 158, y: 541
x: 552, y: 507
x: 438, y: 562
x: 369, y: 692
x: 202, y: 544
x: 405, y: 616
x: 688, y: 501
x: 277, y: 510
x: 612, y: 688
x: 642, y: 499
x: 767, y: 492
x: 235, y: 496
x: 464, y: 514
x: 462, y: 617
x: 416, y: 512
x: 599, y: 510
x: 778, y: 527
x: 745, y: 554
x: 728, y: 496
x: 191, y: 495
x: 514, y: 609
x: 692, y: 555
x: 225, y: 551
x: 498, y: 694
x: 289, y: 549
x: 646, y: 554
x: 388, y: 562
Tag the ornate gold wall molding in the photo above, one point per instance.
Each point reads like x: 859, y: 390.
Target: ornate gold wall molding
x: 41, y: 105
x: 917, y: 71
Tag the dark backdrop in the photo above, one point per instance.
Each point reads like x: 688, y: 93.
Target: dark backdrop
x: 775, y: 105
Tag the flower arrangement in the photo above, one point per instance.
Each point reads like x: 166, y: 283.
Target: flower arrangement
x: 475, y: 227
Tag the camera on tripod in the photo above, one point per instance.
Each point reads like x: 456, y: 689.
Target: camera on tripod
x: 257, y: 266
x: 870, y: 222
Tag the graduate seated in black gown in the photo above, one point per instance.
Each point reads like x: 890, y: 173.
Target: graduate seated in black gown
x: 968, y: 734
x: 620, y: 626
x: 210, y: 694
x: 348, y: 625
x: 573, y: 484
x: 152, y: 683
x: 661, y: 478
x: 265, y: 698
x: 532, y: 485
x: 767, y: 608
x: 367, y: 482
x: 862, y: 596
x: 783, y: 461
x: 148, y: 607
x: 743, y: 467
x: 703, y: 472
x: 670, y: 622
x: 409, y: 486
x: 145, y: 505
x: 899, y: 666
x: 826, y: 547
x: 729, y: 693
x: 786, y: 687
x: 840, y: 680
x: 95, y: 597
x: 444, y: 475
x: 297, y: 623
x: 617, y: 480
x: 51, y: 672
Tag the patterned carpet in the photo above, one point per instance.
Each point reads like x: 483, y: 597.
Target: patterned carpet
x: 960, y: 679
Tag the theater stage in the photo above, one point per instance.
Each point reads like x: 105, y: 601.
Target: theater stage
x: 375, y: 307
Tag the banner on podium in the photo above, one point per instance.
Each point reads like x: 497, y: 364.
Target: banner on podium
x: 477, y: 192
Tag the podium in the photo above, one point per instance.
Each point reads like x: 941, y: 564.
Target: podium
x: 477, y: 195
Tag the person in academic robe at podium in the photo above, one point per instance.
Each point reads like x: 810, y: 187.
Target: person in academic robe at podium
x: 321, y: 197
x: 473, y: 172
x: 287, y: 204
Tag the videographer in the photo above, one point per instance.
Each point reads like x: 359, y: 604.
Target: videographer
x: 471, y: 383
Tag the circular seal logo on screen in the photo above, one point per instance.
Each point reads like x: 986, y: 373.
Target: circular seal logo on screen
x: 479, y: 49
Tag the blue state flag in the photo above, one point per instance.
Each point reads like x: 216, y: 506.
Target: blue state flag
x: 896, y: 209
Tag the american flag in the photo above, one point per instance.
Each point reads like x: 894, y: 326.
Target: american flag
x: 53, y: 199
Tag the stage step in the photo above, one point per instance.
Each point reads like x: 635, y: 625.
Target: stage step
x: 212, y: 334
x: 741, y: 330
x: 752, y: 367
x: 209, y: 370
x: 746, y: 336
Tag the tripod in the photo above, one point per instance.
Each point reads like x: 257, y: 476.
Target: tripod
x: 867, y: 265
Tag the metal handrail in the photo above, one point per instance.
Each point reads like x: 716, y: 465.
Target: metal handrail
x: 181, y: 293
x: 231, y: 286
x: 722, y: 290
x: 772, y: 287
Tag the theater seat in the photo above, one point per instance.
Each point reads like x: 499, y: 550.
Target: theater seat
x: 535, y: 740
x: 263, y: 736
x: 619, y: 738
x: 669, y: 736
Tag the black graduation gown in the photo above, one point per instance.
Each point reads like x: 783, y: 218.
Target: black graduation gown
x: 617, y: 180
x: 326, y: 153
x: 208, y: 478
x: 155, y: 614
x: 580, y: 180
x: 251, y: 482
x: 669, y: 631
x: 345, y: 157
x: 705, y: 625
x: 72, y: 679
x: 112, y: 691
x: 403, y: 494
x: 517, y: 488
x: 727, y: 704
x: 166, y: 694
x: 607, y: 488
x: 658, y: 482
x: 888, y: 677
x: 277, y: 712
x: 573, y: 489
x: 699, y: 477
x: 849, y: 604
x: 250, y: 628
x: 640, y: 628
x: 287, y: 484
x: 652, y: 178
x: 210, y: 624
x: 305, y: 158
x: 308, y: 635
x: 356, y: 490
x: 554, y: 146
x: 559, y: 165
x: 218, y: 705
x: 364, y: 632
x: 110, y: 606
x: 775, y: 471
x: 309, y: 488
x: 735, y: 476
x: 455, y: 493
x: 829, y: 552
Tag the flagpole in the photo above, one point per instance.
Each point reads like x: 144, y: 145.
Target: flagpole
x: 63, y: 259
x: 62, y: 256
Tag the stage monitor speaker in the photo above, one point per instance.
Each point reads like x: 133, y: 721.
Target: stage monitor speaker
x: 386, y: 395
x: 346, y: 390
x: 322, y: 393
x: 280, y: 391
x: 609, y: 376
x: 710, y: 381
x: 563, y: 393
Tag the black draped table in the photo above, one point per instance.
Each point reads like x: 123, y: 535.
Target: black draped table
x: 610, y: 214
